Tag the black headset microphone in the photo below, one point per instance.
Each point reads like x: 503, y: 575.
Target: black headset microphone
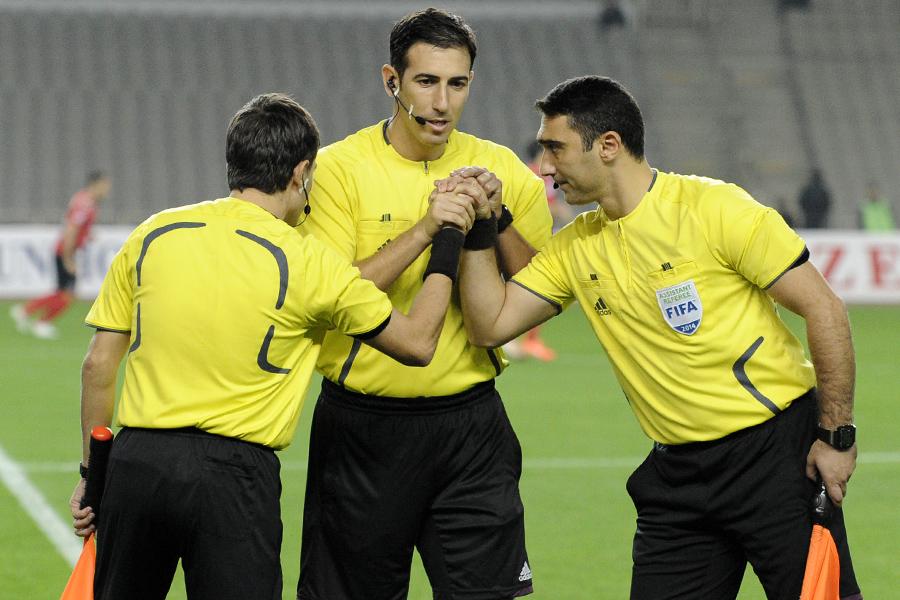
x: 555, y: 186
x: 392, y: 86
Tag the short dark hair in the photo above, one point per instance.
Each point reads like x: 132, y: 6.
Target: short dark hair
x: 595, y: 105
x: 434, y: 27
x: 266, y: 139
x: 94, y: 176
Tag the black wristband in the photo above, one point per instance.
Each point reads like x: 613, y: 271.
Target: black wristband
x: 445, y: 250
x: 504, y: 220
x: 483, y: 234
x: 83, y: 471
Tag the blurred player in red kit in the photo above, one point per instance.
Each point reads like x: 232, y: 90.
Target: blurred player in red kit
x: 37, y: 315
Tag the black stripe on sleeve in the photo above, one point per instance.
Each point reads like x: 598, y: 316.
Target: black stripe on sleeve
x: 555, y: 304
x: 374, y: 332
x: 804, y: 256
x: 109, y: 329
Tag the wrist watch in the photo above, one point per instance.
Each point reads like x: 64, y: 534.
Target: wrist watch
x: 83, y: 471
x: 841, y: 438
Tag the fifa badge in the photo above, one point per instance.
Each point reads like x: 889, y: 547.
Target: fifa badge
x: 681, y: 307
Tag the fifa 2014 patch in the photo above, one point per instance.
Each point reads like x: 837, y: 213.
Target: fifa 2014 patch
x: 681, y: 307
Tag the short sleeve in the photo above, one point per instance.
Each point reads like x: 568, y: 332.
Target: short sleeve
x: 341, y: 298
x: 114, y: 305
x: 751, y: 238
x: 331, y: 217
x: 545, y: 276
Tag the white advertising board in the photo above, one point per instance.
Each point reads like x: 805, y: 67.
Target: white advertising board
x: 863, y: 268
x: 28, y: 259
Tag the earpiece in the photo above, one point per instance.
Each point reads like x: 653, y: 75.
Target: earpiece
x: 393, y: 87
x: 307, y: 208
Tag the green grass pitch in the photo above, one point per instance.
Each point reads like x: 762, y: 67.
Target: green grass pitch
x: 579, y: 438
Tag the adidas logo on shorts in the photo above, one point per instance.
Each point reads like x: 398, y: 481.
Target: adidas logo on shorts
x: 525, y: 574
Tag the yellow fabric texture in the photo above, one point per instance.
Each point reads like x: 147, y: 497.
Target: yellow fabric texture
x: 366, y: 194
x: 227, y: 307
x: 675, y: 292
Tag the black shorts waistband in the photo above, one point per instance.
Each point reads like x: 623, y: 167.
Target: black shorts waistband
x: 794, y: 407
x: 341, y: 396
x: 197, y: 432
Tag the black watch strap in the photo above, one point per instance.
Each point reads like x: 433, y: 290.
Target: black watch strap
x: 83, y: 471
x: 841, y: 438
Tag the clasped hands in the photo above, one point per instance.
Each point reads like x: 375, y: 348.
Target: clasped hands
x: 466, y: 195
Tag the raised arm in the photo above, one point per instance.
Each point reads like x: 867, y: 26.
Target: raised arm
x: 412, y: 338
x: 495, y: 312
x: 804, y: 291
x: 386, y: 265
x: 513, y: 249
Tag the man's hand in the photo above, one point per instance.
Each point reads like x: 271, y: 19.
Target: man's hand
x: 448, y: 208
x: 489, y: 182
x: 83, y: 518
x: 833, y: 467
x: 469, y: 187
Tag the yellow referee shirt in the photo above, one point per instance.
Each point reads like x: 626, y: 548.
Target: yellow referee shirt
x: 227, y: 307
x: 675, y: 292
x: 365, y: 195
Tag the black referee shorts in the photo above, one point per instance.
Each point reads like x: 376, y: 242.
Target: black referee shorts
x: 211, y: 501
x: 65, y: 279
x: 705, y: 509
x: 440, y: 474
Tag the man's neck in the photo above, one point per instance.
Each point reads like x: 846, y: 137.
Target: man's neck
x: 407, y: 146
x: 273, y: 204
x: 627, y: 187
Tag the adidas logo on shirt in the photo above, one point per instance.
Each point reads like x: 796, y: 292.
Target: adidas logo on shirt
x: 600, y: 307
x: 525, y: 574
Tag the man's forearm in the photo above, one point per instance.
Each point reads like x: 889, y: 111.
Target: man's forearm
x: 514, y: 251
x: 97, y: 401
x: 481, y: 292
x: 98, y: 383
x: 386, y: 265
x: 831, y: 347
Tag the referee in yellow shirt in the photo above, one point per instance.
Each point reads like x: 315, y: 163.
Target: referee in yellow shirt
x: 679, y: 276
x: 221, y: 307
x: 426, y: 458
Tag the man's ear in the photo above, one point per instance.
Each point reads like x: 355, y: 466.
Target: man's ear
x: 608, y: 145
x: 390, y: 80
x: 300, y: 172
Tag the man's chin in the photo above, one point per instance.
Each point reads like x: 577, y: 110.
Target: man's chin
x: 435, y: 138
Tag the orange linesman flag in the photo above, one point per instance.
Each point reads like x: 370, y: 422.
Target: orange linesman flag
x: 81, y: 581
x: 822, y: 578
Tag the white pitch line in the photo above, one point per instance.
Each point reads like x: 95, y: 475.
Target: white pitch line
x: 34, y: 503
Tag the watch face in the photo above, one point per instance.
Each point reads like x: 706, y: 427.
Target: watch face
x: 845, y: 437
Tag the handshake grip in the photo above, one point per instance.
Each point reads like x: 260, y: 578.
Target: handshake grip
x: 101, y: 444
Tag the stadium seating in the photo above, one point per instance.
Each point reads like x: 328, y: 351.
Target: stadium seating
x: 144, y: 89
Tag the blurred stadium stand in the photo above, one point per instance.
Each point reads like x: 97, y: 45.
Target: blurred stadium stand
x: 739, y: 90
